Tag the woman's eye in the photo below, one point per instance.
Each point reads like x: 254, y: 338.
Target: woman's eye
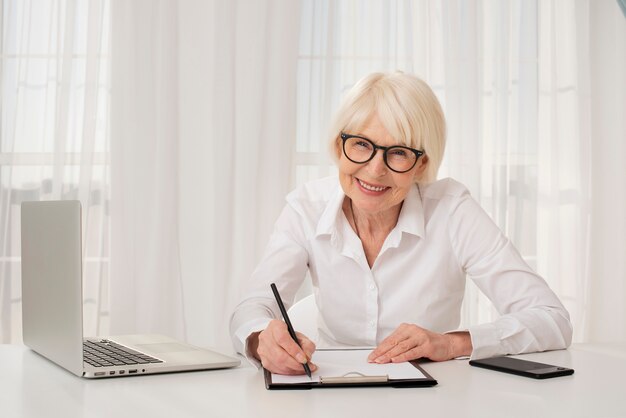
x: 398, y: 152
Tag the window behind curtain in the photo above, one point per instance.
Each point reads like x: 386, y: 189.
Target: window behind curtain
x: 54, y: 114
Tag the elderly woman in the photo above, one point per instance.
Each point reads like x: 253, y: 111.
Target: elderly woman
x: 388, y: 248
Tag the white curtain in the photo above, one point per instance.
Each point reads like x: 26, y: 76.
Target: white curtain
x: 54, y: 66
x: 238, y: 97
x: 146, y: 285
x: 215, y: 109
x: 604, y: 312
x: 203, y: 118
x: 515, y: 79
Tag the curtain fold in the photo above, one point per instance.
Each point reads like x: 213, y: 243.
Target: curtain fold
x: 202, y: 125
x: 146, y: 284
x: 604, y: 293
x: 237, y: 136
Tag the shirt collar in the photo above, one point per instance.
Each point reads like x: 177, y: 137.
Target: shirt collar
x: 330, y: 217
x: 411, y: 219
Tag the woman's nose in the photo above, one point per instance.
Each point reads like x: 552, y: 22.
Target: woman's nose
x: 377, y: 164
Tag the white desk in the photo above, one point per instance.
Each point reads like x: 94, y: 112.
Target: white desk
x: 30, y: 386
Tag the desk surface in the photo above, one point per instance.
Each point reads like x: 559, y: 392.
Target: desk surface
x: 30, y: 386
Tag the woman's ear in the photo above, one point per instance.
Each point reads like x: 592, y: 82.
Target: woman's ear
x: 338, y: 146
x: 422, y: 164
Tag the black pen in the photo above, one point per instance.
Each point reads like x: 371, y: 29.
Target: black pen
x: 288, y: 322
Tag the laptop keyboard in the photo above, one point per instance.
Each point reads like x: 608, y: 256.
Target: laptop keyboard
x: 107, y: 353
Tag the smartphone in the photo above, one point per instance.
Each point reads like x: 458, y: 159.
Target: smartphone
x: 522, y: 367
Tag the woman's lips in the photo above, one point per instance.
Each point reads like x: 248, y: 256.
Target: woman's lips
x: 371, y: 188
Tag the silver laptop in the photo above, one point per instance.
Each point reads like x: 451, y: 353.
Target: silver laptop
x: 52, y: 307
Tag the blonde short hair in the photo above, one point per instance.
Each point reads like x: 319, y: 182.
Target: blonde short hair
x: 407, y: 108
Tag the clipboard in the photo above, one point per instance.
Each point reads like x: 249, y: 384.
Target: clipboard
x: 355, y: 377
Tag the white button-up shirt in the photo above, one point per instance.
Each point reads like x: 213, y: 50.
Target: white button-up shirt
x: 442, y: 237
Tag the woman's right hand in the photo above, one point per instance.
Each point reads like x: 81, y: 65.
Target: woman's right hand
x: 278, y: 352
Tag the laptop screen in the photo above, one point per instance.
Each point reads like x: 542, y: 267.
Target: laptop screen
x: 52, y: 281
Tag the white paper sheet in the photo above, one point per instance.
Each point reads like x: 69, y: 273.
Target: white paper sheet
x: 336, y: 363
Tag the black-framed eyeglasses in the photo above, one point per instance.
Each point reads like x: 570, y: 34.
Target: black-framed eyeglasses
x: 398, y: 158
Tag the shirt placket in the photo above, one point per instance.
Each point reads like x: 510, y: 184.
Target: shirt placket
x: 371, y: 299
x: 372, y: 308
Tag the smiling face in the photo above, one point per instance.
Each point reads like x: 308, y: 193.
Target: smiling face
x: 374, y: 188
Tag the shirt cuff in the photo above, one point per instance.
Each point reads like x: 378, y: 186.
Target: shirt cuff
x: 241, y: 338
x: 485, y: 341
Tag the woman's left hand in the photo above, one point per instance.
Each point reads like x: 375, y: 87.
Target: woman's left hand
x: 410, y: 342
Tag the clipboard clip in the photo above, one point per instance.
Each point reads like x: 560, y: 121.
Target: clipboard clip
x: 353, y: 377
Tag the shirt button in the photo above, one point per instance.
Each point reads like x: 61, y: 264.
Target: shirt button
x: 372, y: 324
x: 372, y: 287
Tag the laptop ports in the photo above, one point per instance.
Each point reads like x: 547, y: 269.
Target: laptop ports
x: 132, y: 371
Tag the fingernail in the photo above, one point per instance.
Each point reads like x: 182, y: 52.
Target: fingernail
x: 301, y: 358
